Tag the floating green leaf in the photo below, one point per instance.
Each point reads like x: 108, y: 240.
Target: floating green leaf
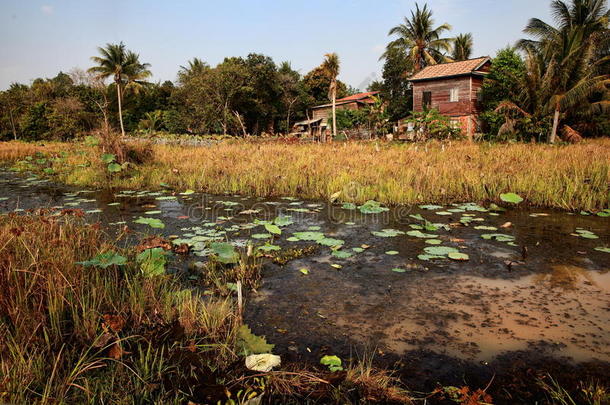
x: 603, y: 249
x: 391, y: 252
x: 304, y: 271
x: 105, y: 260
x: 309, y: 236
x: 333, y: 363
x: 511, y: 198
x: 440, y: 250
x: 399, y: 270
x: 458, y: 256
x: 152, y: 222
x: 372, y: 207
x: 284, y: 220
x: 341, y: 254
x: 330, y: 242
x: 419, y: 234
x: 225, y: 252
x: 349, y: 206
x: 387, y: 233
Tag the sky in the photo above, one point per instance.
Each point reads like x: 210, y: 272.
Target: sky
x: 41, y: 38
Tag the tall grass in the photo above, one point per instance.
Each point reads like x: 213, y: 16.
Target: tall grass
x: 73, y: 334
x: 567, y: 177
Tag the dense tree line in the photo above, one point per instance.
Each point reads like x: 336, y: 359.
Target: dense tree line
x: 555, y: 82
x: 251, y: 95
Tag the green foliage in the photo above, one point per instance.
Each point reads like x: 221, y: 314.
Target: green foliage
x: 349, y: 119
x: 395, y: 90
x: 432, y: 125
x: 225, y: 252
x: 511, y: 198
x: 105, y: 260
x: 152, y: 262
x: 249, y: 343
x: 333, y: 362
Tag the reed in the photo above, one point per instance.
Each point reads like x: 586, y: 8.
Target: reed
x: 573, y: 177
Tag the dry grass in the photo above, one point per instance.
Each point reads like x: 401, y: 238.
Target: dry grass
x: 75, y: 334
x: 567, y: 177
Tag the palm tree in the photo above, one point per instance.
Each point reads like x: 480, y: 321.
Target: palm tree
x: 569, y: 56
x: 420, y: 40
x: 330, y: 67
x: 193, y: 68
x: 124, y: 67
x: 462, y: 47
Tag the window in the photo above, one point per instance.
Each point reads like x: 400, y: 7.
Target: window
x: 455, y: 95
x: 427, y: 99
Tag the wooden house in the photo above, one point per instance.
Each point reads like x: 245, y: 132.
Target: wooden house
x: 453, y: 89
x: 355, y: 102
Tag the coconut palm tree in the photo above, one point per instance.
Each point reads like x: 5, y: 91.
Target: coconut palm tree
x: 569, y: 54
x: 124, y: 67
x: 462, y: 47
x: 330, y: 67
x: 193, y: 68
x: 423, y: 43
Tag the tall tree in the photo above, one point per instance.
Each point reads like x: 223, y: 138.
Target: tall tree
x: 331, y: 67
x: 395, y: 88
x: 568, y: 53
x: 462, y: 47
x: 423, y: 42
x: 193, y: 68
x: 124, y: 67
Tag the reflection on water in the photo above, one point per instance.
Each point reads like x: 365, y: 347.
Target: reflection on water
x: 565, y: 276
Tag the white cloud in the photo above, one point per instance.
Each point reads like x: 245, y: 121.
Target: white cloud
x: 47, y: 9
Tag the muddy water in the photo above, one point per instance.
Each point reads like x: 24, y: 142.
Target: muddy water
x: 544, y: 290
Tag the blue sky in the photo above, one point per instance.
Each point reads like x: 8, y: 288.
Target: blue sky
x: 40, y: 38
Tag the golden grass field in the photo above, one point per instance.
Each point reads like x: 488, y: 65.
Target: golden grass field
x: 561, y: 176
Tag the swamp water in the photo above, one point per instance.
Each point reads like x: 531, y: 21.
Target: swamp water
x: 534, y: 281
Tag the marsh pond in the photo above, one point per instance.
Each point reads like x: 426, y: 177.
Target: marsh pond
x: 454, y: 292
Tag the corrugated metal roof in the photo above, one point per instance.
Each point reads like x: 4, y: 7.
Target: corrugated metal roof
x: 356, y: 98
x: 359, y: 96
x: 450, y: 69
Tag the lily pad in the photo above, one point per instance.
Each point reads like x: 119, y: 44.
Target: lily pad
x: 341, y: 254
x: 331, y: 242
x: 419, y: 234
x: 372, y: 207
x: 105, y: 260
x: 603, y: 249
x: 440, y: 250
x: 387, y: 233
x: 225, y: 252
x: 333, y: 363
x: 458, y: 256
x: 309, y: 236
x: 152, y: 222
x: 511, y: 198
x: 399, y: 270
x: 433, y: 241
x: 304, y: 271
x: 391, y: 252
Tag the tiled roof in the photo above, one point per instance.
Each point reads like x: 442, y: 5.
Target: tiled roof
x: 449, y: 69
x: 358, y: 96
